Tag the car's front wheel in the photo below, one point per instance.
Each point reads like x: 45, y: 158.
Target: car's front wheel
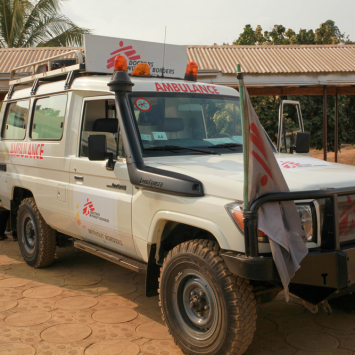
x: 208, y: 310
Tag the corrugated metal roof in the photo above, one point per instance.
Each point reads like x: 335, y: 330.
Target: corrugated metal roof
x: 15, y: 57
x: 267, y: 59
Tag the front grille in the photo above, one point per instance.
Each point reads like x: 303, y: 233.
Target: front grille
x: 346, y: 210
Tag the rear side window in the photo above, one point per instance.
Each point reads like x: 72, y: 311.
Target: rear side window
x: 48, y: 117
x: 15, y: 121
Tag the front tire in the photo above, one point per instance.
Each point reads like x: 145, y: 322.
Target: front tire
x: 207, y: 309
x: 37, y: 240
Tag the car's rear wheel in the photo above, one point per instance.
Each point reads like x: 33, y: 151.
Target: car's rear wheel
x: 208, y: 310
x: 36, y: 239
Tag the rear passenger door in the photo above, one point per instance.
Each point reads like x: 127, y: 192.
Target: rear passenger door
x: 101, y: 199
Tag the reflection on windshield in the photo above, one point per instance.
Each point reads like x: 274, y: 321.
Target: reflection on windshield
x: 188, y: 121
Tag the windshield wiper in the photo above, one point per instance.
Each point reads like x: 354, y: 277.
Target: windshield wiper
x: 176, y: 147
x: 227, y: 145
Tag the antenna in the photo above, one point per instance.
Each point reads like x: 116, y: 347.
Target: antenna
x: 162, y: 74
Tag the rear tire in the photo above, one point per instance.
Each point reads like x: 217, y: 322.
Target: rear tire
x: 207, y: 309
x: 36, y: 239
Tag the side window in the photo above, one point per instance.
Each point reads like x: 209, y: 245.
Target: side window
x: 100, y: 119
x: 15, y: 122
x: 48, y: 117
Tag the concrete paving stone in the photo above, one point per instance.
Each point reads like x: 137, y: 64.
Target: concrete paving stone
x: 76, y: 302
x: 346, y: 338
x: 149, y: 307
x: 265, y: 326
x: 332, y: 352
x: 13, y: 293
x: 114, y: 269
x: 65, y: 316
x: 17, y: 349
x: 114, y: 315
x: 275, y: 343
x: 153, y: 330
x: 161, y: 347
x: 290, y: 324
x: 9, y: 260
x: 14, y: 282
x: 119, y: 287
x: 254, y: 349
x: 339, y: 320
x: 113, y: 347
x: 53, y: 271
x: 112, y: 300
x: 283, y: 308
x: 82, y: 280
x: 43, y: 292
x: 123, y: 331
x: 19, y: 335
x: 33, y: 305
x: 312, y: 341
x: 66, y: 333
x: 71, y: 292
x: 7, y: 303
x: 48, y: 348
x: 58, y: 281
x: 27, y: 319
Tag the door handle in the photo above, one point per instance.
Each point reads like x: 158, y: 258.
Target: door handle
x: 78, y: 178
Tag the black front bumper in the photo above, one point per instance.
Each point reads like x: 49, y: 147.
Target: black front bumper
x: 323, y: 274
x: 326, y: 272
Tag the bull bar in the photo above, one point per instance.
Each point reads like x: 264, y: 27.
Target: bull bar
x: 326, y: 272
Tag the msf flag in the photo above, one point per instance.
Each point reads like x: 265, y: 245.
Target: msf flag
x: 279, y: 221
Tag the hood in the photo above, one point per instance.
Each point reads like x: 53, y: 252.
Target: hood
x: 222, y: 175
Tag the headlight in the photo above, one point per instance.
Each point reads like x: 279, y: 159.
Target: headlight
x: 307, y: 214
x: 308, y: 218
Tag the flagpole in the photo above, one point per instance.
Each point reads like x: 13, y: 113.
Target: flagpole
x: 245, y: 140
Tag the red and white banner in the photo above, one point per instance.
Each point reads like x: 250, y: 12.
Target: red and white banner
x: 279, y: 221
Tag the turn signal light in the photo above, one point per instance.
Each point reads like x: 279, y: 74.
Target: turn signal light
x: 120, y: 63
x: 141, y: 69
x: 191, y: 71
x: 238, y: 216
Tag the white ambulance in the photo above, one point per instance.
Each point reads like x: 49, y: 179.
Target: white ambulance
x: 147, y: 171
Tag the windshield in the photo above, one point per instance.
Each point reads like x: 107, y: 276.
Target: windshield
x: 170, y: 124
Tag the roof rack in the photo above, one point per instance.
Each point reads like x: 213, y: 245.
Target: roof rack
x: 35, y: 77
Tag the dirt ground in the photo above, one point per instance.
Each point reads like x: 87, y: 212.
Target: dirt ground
x: 84, y: 305
x: 346, y: 156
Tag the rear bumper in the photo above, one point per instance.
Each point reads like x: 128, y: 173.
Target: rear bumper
x: 322, y: 275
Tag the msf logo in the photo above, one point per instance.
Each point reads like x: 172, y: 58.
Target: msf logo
x: 289, y: 164
x: 128, y: 51
x: 258, y: 143
x: 88, y: 207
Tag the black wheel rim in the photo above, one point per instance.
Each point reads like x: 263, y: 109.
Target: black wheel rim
x: 29, y: 234
x: 195, y: 304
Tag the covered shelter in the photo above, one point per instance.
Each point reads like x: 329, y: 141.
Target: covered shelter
x: 271, y: 70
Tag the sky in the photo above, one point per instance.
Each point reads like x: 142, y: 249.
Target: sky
x: 204, y: 22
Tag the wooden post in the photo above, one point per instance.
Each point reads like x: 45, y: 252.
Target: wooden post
x: 336, y: 127
x: 325, y: 122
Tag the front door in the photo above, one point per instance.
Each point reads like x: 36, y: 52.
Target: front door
x: 101, y: 199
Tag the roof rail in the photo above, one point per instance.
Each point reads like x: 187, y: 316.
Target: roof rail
x: 50, y: 73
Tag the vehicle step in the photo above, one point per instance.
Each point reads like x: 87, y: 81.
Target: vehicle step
x: 115, y: 257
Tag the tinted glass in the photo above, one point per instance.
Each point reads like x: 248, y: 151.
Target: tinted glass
x: 16, y: 120
x: 48, y: 118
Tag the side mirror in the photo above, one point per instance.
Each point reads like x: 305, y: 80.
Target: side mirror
x: 303, y: 143
x: 97, y: 147
x: 97, y: 150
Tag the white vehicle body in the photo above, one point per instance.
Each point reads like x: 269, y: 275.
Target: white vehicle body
x: 62, y: 182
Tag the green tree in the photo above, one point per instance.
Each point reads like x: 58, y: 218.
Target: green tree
x: 37, y: 23
x: 327, y: 33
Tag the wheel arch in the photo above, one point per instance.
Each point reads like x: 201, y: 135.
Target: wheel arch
x: 17, y: 195
x: 167, y: 230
